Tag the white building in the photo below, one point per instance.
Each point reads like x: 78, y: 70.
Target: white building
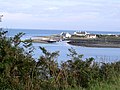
x: 65, y: 35
x: 81, y: 33
x: 68, y: 35
x: 91, y: 35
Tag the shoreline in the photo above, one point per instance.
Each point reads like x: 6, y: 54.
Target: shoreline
x: 98, y: 43
x: 95, y: 45
x: 86, y: 40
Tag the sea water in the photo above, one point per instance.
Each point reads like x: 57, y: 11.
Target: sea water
x: 100, y: 54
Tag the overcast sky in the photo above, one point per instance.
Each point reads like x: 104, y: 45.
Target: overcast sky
x: 88, y: 15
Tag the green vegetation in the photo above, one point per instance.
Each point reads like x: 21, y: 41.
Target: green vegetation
x: 19, y: 71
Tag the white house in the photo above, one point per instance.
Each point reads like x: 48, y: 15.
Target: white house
x: 65, y: 35
x: 81, y: 33
x: 91, y: 35
x: 68, y: 35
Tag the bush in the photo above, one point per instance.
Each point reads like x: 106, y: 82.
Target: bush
x: 19, y: 71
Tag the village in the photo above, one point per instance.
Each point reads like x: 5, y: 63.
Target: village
x: 64, y: 36
x: 79, y: 35
x: 81, y: 38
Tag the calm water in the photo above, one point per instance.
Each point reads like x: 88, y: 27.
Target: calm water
x: 100, y: 54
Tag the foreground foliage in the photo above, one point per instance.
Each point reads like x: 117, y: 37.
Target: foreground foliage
x: 19, y: 71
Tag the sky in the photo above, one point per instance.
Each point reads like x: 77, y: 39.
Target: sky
x: 102, y: 15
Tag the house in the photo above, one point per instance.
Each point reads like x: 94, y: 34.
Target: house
x: 65, y: 35
x: 91, y: 35
x: 68, y: 35
x: 81, y: 33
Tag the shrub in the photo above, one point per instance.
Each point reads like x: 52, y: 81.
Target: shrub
x: 19, y: 71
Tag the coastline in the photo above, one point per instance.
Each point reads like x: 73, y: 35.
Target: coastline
x: 82, y: 39
x: 98, y: 43
x: 95, y: 45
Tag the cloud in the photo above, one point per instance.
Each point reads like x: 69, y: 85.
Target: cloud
x: 87, y: 13
x: 53, y: 8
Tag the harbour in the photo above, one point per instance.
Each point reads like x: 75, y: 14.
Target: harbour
x: 111, y: 54
x: 82, y: 38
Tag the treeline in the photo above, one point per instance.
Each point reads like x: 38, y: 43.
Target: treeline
x: 20, y: 71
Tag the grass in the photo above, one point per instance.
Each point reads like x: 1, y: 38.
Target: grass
x: 100, y: 86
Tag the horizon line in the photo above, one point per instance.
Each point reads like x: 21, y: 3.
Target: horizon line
x: 63, y: 29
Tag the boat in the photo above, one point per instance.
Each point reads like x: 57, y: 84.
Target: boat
x: 51, y: 41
